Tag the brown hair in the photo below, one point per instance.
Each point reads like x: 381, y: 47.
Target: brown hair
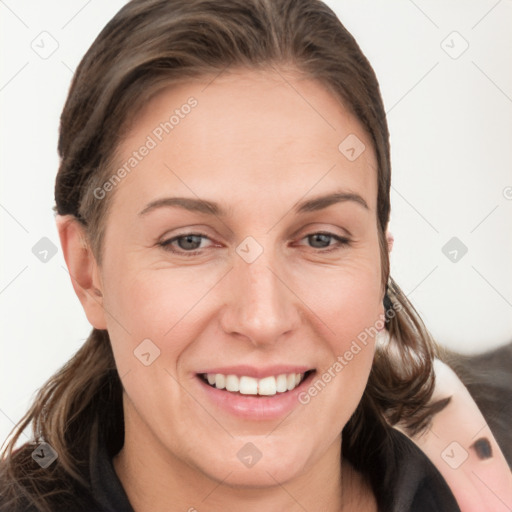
x: 148, y: 45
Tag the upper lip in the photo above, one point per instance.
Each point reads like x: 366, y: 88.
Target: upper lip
x: 257, y: 372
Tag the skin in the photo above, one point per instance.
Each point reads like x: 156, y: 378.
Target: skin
x: 255, y: 146
x: 479, y: 485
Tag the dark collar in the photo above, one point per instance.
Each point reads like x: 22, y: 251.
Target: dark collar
x: 414, y: 484
x: 106, y: 487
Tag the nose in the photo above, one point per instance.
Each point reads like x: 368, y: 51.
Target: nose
x: 261, y: 306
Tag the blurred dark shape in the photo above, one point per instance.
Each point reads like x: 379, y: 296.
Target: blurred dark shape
x: 482, y: 448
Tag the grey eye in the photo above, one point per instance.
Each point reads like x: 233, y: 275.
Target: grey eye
x: 322, y: 238
x: 184, y: 243
x: 189, y: 242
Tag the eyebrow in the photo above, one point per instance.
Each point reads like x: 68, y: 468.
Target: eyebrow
x: 321, y: 202
x: 212, y: 208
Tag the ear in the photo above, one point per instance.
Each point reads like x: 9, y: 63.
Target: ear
x: 82, y: 268
x: 390, y: 239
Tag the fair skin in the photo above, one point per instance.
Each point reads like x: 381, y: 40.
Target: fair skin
x: 480, y: 483
x: 255, y: 147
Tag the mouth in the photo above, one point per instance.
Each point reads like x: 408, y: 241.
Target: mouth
x: 244, y: 385
x: 255, y: 393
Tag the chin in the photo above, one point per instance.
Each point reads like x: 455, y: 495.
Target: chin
x: 262, y: 475
x: 256, y: 469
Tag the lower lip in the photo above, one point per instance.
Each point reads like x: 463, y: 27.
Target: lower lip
x: 254, y: 407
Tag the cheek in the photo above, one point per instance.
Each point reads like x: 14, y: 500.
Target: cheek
x: 346, y: 300
x: 155, y: 318
x: 350, y: 308
x: 170, y: 307
x: 151, y: 303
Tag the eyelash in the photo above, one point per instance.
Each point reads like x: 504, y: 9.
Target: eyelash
x: 166, y: 244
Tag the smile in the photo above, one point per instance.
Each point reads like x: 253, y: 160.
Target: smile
x: 246, y: 385
x: 255, y: 393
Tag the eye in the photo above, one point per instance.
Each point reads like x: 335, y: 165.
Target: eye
x: 322, y: 240
x: 187, y: 244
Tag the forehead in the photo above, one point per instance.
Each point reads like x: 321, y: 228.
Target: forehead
x: 249, y: 130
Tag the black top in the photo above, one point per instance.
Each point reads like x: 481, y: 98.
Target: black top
x: 416, y: 484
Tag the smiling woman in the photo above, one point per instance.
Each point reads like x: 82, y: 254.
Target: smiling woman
x: 240, y: 265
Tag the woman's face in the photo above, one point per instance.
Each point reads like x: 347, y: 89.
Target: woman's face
x: 256, y: 293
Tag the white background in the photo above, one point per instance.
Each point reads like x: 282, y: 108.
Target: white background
x: 451, y: 137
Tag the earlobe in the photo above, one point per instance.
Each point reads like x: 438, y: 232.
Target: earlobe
x: 82, y: 268
x: 390, y: 239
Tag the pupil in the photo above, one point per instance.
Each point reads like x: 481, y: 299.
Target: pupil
x: 322, y: 237
x: 189, y: 239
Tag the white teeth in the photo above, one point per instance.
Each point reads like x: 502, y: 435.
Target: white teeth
x: 281, y: 383
x: 267, y: 386
x: 220, y: 381
x: 232, y: 383
x: 248, y: 386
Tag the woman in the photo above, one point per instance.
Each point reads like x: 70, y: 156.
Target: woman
x: 222, y: 203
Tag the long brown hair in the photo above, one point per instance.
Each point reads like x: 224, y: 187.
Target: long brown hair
x: 148, y: 45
